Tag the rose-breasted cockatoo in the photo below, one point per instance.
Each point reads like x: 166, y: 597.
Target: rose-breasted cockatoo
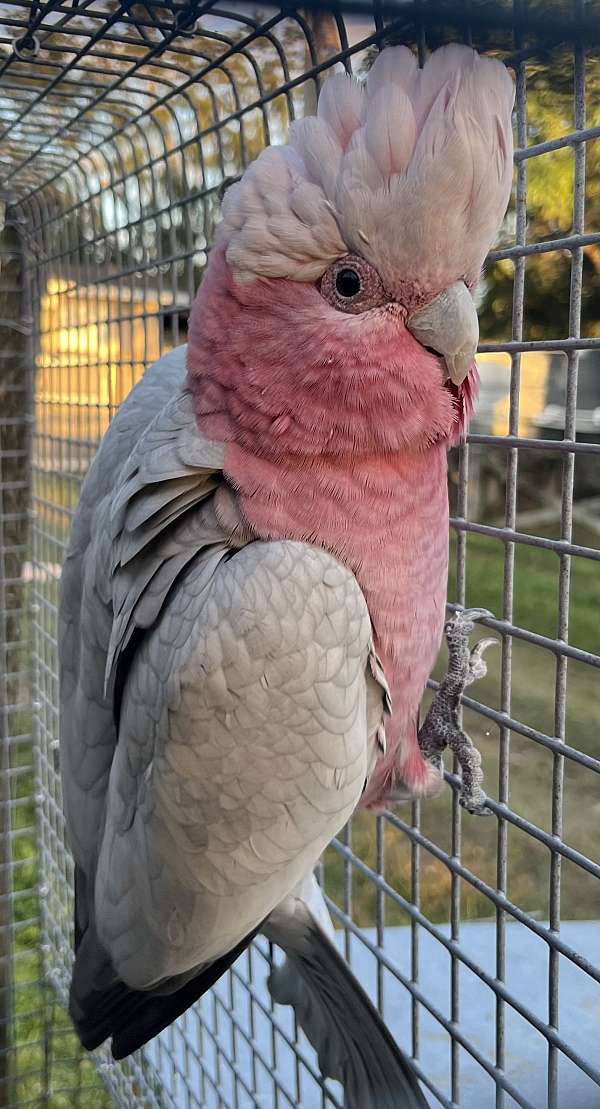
x: 262, y: 543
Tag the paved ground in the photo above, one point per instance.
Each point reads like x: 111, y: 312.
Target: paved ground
x: 526, y: 1065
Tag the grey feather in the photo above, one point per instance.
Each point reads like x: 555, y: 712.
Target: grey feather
x: 221, y: 708
x: 87, y: 727
x: 353, y: 1044
x: 236, y: 764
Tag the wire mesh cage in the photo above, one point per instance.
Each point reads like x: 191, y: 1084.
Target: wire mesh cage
x: 121, y: 124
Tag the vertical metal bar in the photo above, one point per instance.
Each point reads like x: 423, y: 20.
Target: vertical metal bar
x: 346, y: 838
x: 456, y: 833
x: 380, y: 906
x: 251, y: 1014
x: 47, y: 1006
x: 564, y: 581
x: 233, y: 1040
x: 271, y: 1005
x: 456, y: 830
x: 415, y: 896
x: 512, y: 461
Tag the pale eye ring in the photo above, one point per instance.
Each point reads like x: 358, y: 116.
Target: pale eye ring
x: 351, y: 284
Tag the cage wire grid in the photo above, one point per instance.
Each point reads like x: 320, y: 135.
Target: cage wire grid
x: 120, y: 122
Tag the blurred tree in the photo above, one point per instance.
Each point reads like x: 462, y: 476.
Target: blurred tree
x: 550, y: 187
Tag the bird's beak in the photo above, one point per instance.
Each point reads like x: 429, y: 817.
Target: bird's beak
x: 449, y: 325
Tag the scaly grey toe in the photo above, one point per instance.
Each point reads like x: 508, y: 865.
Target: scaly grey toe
x: 441, y: 727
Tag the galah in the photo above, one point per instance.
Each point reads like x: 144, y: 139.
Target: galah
x: 254, y: 590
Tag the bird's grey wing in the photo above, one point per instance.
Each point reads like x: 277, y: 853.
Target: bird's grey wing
x: 160, y: 383
x: 353, y: 1045
x: 243, y: 748
x: 148, y: 522
x: 133, y: 532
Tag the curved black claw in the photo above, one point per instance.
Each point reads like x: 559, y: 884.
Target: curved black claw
x: 441, y: 728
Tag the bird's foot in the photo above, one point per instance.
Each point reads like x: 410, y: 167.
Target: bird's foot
x: 441, y: 729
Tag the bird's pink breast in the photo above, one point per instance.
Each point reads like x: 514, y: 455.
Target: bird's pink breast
x: 336, y: 433
x: 387, y: 520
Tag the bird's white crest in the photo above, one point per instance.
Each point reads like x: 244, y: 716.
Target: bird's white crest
x: 411, y: 169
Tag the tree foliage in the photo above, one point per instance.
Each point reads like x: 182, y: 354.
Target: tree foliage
x: 550, y: 195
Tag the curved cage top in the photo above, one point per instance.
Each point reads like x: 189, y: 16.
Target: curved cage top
x: 92, y: 92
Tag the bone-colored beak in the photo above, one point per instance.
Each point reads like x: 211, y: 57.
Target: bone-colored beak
x: 450, y: 326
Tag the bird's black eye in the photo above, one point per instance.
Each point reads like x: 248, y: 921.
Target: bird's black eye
x: 347, y: 283
x: 352, y: 285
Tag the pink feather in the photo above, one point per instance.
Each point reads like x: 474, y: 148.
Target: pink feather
x: 390, y: 130
x: 336, y: 429
x: 340, y: 106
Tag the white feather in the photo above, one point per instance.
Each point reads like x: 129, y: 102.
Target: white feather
x: 341, y: 106
x: 445, y: 66
x: 231, y: 208
x: 395, y: 66
x: 320, y: 151
x: 273, y: 171
x: 418, y: 161
x: 309, y: 206
x: 359, y: 170
x: 390, y: 130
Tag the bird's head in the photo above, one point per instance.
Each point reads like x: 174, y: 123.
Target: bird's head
x: 337, y: 307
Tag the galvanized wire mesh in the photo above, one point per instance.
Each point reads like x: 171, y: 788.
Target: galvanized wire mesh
x: 119, y: 125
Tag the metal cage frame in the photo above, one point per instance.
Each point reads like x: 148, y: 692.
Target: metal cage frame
x: 120, y: 123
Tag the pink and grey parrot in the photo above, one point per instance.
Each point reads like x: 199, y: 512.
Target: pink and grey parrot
x: 254, y: 591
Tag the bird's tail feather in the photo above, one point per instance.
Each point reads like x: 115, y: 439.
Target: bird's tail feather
x: 101, y: 1006
x: 353, y: 1044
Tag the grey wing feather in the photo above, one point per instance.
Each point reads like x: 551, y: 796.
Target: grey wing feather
x: 141, y: 583
x: 243, y: 748
x: 353, y: 1045
x: 131, y: 537
x: 249, y: 716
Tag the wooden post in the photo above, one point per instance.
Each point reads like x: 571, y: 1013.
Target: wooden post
x: 14, y: 504
x: 324, y: 33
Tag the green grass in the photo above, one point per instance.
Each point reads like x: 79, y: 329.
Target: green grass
x: 536, y: 579
x: 47, y: 1067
